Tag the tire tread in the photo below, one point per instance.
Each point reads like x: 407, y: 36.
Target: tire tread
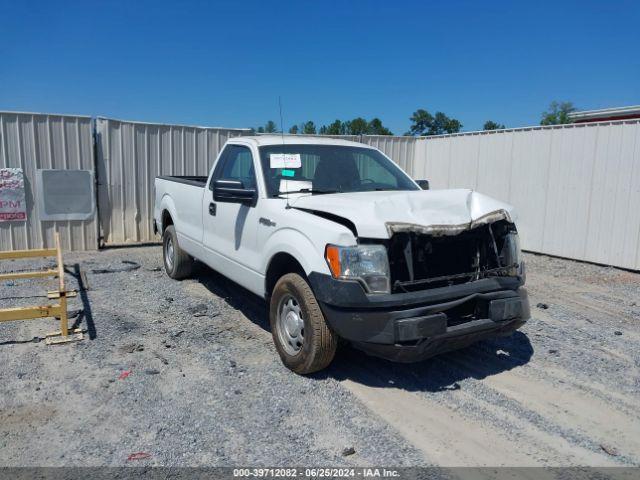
x: 325, y: 341
x: 182, y: 261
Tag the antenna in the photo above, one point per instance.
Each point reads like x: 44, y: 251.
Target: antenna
x: 281, y: 121
x: 286, y: 179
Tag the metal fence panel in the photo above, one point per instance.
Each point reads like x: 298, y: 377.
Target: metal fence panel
x: 576, y: 187
x: 33, y: 141
x: 400, y: 149
x: 131, y: 155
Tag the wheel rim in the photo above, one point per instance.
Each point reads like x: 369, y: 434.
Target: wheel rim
x: 290, y: 325
x: 168, y: 253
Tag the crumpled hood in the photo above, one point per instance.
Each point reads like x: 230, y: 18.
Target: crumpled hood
x: 434, y: 212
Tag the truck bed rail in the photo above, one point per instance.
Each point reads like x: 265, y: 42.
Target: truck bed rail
x: 194, y: 180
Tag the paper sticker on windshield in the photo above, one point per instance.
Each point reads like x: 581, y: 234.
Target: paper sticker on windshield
x: 285, y: 160
x: 288, y: 173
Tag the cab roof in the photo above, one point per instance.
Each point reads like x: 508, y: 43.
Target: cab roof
x: 262, y: 140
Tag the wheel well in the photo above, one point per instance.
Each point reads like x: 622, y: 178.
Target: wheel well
x: 281, y: 264
x: 166, y: 220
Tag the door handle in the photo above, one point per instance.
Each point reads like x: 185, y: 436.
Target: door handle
x: 212, y: 209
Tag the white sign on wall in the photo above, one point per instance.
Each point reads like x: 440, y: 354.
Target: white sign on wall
x: 12, y: 199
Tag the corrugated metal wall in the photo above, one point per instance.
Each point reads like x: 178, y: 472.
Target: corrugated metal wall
x: 41, y: 141
x: 576, y: 187
x: 400, y: 149
x: 131, y: 155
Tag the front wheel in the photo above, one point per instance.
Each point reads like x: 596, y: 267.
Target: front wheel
x: 300, y: 333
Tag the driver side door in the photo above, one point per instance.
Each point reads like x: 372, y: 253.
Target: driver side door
x: 230, y: 228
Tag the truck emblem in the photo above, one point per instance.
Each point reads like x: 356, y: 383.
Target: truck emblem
x: 267, y: 222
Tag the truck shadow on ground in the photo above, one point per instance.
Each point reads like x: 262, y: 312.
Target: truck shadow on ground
x: 440, y: 373
x: 234, y: 295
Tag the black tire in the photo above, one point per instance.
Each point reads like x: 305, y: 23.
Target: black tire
x: 182, y: 264
x: 319, y: 342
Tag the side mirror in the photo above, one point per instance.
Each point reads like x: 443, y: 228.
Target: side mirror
x: 423, y: 184
x: 233, y: 191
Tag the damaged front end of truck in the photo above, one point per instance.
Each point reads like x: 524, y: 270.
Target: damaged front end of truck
x: 447, y: 285
x: 428, y: 257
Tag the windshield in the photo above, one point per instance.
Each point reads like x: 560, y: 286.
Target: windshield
x: 329, y: 169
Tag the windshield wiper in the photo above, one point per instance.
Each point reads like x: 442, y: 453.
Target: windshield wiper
x: 307, y: 190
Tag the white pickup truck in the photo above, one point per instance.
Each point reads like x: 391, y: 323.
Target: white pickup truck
x: 343, y: 244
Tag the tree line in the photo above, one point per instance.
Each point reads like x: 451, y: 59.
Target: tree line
x: 357, y: 126
x: 423, y: 123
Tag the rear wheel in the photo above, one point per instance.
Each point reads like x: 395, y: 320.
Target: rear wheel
x: 177, y: 262
x: 300, y: 333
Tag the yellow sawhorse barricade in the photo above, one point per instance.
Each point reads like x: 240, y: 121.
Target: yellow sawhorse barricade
x: 58, y: 310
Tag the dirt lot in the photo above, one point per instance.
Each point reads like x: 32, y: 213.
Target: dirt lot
x: 206, y: 387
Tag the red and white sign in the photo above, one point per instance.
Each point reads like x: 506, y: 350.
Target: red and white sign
x: 12, y: 204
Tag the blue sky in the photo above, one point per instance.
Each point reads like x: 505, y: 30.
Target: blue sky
x: 225, y: 64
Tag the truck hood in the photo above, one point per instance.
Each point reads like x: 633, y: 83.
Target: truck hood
x: 433, y: 212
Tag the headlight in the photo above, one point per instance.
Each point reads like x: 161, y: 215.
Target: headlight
x: 510, y: 253
x: 367, y: 263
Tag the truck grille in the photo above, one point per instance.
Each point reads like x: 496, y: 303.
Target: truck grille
x: 418, y: 261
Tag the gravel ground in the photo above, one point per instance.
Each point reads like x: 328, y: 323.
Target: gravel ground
x: 184, y: 373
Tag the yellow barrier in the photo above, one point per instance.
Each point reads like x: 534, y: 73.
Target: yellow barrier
x: 58, y: 310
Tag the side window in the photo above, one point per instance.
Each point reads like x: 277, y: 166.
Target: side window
x: 236, y: 163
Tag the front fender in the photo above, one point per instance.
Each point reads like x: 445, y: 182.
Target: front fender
x: 299, y: 246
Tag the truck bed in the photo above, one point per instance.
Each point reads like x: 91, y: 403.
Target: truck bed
x: 194, y: 180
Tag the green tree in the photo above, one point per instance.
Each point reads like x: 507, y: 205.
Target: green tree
x: 443, y: 124
x: 423, y: 123
x: 558, y: 113
x: 294, y: 130
x: 491, y: 125
x: 309, y: 128
x: 270, y: 127
x: 335, y: 128
x: 375, y: 127
x: 357, y: 126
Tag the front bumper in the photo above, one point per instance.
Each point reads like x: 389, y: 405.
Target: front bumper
x: 414, y: 326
